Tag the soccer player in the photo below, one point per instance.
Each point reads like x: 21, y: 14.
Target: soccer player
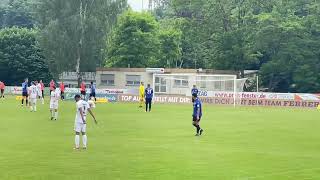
x: 51, y: 85
x: 42, y: 91
x: 62, y: 87
x: 54, y: 102
x: 39, y: 92
x: 197, y: 114
x: 83, y: 90
x: 91, y: 103
x: 25, y: 92
x: 80, y: 121
x: 33, y: 97
x: 148, y: 95
x: 141, y: 94
x: 194, y: 90
x: 2, y: 87
x: 93, y: 91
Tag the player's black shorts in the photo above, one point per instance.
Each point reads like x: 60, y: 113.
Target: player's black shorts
x: 83, y: 93
x: 93, y: 94
x: 2, y: 91
x: 148, y: 100
x: 25, y: 94
x: 194, y: 118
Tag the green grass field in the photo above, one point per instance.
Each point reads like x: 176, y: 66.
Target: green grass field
x: 129, y: 144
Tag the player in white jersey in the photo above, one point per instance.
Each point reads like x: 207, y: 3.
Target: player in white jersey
x: 33, y: 97
x: 91, y: 103
x: 39, y: 92
x: 54, y: 102
x: 80, y: 121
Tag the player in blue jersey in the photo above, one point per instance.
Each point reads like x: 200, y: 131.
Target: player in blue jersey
x: 25, y: 92
x: 194, y: 90
x: 197, y: 114
x: 148, y: 97
x: 93, y: 91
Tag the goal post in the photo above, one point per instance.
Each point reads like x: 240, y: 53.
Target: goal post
x: 208, y: 85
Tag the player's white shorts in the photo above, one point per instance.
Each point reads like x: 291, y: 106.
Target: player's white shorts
x: 80, y: 127
x: 33, y: 100
x: 53, y: 105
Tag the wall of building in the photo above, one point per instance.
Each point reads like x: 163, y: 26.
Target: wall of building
x: 120, y: 78
x: 70, y: 78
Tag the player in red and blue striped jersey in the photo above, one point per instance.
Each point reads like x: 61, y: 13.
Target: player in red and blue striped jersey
x: 148, y: 97
x: 25, y: 92
x: 194, y: 90
x: 197, y: 114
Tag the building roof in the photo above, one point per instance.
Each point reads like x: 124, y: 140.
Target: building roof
x: 202, y: 71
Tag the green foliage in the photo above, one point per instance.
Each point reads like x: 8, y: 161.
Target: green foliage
x: 16, y: 13
x: 290, y: 47
x: 76, y: 30
x: 170, y: 48
x: 140, y: 41
x: 134, y: 41
x: 20, y: 56
x: 279, y: 38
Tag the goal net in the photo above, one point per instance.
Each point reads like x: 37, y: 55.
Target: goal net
x: 208, y: 85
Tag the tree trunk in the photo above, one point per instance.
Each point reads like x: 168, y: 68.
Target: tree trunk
x: 82, y: 16
x: 181, y: 63
x: 78, y: 63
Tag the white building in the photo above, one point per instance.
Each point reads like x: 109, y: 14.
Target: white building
x: 130, y: 78
x: 70, y: 78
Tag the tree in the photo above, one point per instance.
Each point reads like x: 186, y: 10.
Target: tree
x: 16, y: 13
x: 279, y: 38
x: 21, y: 57
x: 170, y: 44
x: 290, y: 43
x: 134, y: 41
x: 73, y: 32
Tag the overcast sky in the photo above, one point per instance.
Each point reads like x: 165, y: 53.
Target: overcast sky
x: 137, y: 4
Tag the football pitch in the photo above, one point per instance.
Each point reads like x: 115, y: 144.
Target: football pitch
x: 129, y: 144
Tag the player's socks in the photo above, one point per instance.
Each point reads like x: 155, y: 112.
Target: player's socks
x: 26, y: 102
x: 42, y: 100
x: 201, y: 131
x: 198, y: 128
x: 84, y: 141
x: 22, y: 101
x: 35, y: 108
x: 56, y: 115
x: 52, y: 115
x: 77, y: 141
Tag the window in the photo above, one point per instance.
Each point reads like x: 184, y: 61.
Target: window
x: 203, y: 82
x: 133, y: 80
x: 160, y: 85
x: 107, y: 79
x: 181, y: 81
